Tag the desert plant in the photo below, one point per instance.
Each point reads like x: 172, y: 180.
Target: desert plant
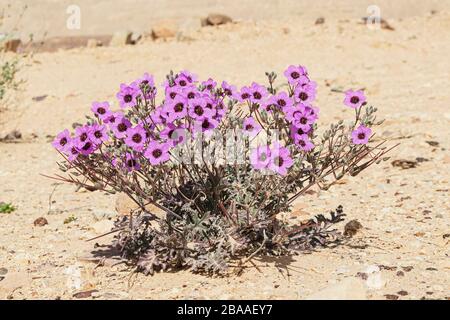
x: 221, y: 163
x: 8, y: 71
x: 6, y: 207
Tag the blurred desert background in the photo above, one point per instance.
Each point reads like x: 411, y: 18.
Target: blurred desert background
x: 402, y: 250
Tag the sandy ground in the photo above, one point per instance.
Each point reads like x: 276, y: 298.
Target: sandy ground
x: 405, y: 212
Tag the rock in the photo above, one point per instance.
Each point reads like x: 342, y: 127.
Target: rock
x: 136, y: 37
x: 124, y: 205
x: 320, y: 20
x: 12, y: 45
x: 121, y: 38
x: 12, y: 136
x: 347, y: 289
x: 93, y: 43
x: 351, y: 228
x: 84, y: 294
x: 103, y: 226
x: 40, y: 222
x: 164, y: 29
x: 215, y: 19
x: 404, y: 164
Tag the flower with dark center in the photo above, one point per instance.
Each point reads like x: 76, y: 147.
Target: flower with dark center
x: 300, y: 116
x: 245, y: 94
x: 62, y: 140
x: 251, y: 127
x: 198, y: 108
x: 99, y: 134
x: 354, y: 99
x: 157, y: 153
x: 295, y: 74
x: 257, y: 92
x: 228, y: 90
x: 305, y: 93
x: 101, y: 110
x: 86, y: 148
x: 280, y: 160
x: 136, y: 138
x: 120, y: 127
x: 176, y: 109
x: 146, y: 86
x: 205, y: 124
x: 361, y: 135
x: 303, y: 142
x: 83, y: 133
x: 127, y: 96
x: 132, y: 162
x: 209, y: 84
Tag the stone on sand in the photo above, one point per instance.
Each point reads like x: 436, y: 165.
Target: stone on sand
x: 215, y: 19
x: 121, y: 38
x: 12, y: 45
x: 164, y: 29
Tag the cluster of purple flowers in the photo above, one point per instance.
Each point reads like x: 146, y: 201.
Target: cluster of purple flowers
x: 195, y: 107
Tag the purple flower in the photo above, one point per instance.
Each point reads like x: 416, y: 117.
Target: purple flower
x: 244, y: 94
x: 354, y: 99
x: 270, y: 104
x: 209, y: 84
x: 176, y: 109
x: 361, y: 135
x: 101, y: 109
x: 157, y: 152
x: 158, y: 116
x: 86, y: 148
x: 228, y: 90
x: 120, y: 127
x: 198, y: 109
x: 305, y: 93
x: 136, y: 138
x: 185, y: 78
x: 172, y: 92
x: 300, y: 117
x: 303, y: 142
x: 251, y: 127
x: 71, y: 151
x: 61, y: 142
x: 111, y: 118
x: 283, y: 100
x: 205, y: 124
x: 295, y: 73
x: 146, y: 85
x: 298, y: 131
x: 190, y: 92
x: 83, y: 133
x: 173, y: 134
x: 189, y: 76
x: 131, y: 162
x: 260, y: 157
x: 280, y: 159
x: 258, y: 92
x: 99, y: 133
x: 127, y: 96
x: 220, y: 109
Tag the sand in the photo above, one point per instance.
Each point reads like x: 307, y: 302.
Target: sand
x: 403, y: 249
